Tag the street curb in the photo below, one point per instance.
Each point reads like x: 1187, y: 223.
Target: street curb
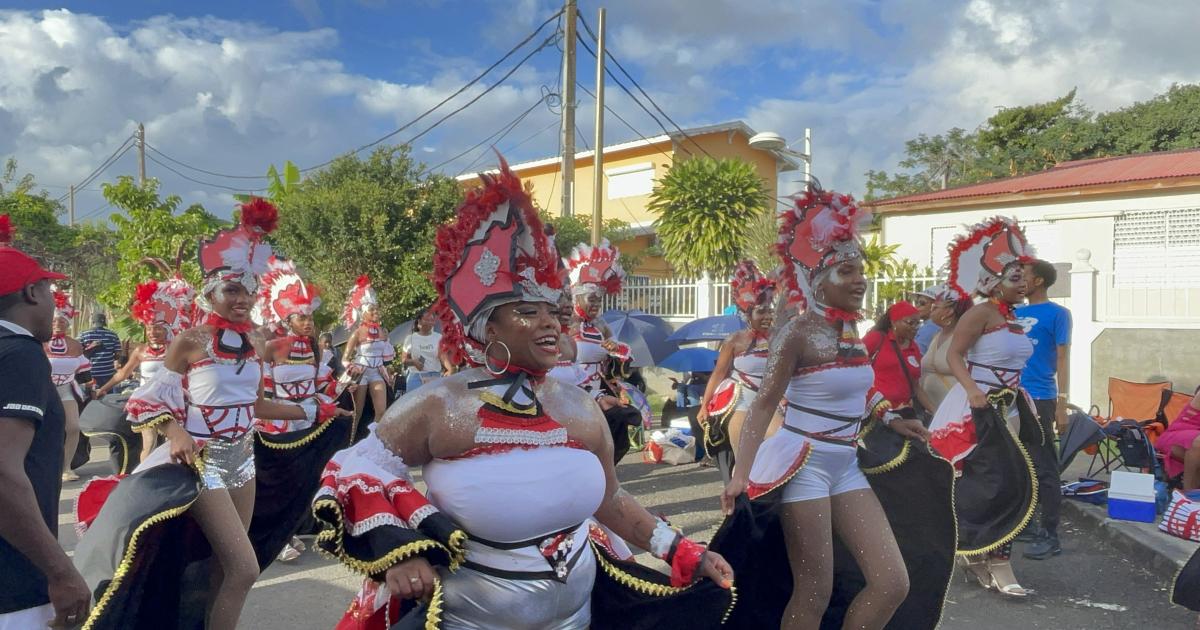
x: 1162, y: 555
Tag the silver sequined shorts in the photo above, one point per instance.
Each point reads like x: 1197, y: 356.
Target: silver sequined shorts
x: 228, y: 463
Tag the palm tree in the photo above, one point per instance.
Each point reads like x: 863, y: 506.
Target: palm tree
x: 705, y: 208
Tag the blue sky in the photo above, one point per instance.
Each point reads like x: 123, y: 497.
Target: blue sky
x: 231, y: 87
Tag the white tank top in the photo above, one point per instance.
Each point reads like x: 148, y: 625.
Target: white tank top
x: 834, y: 389
x: 222, y: 392
x: 998, y: 357
x: 152, y: 363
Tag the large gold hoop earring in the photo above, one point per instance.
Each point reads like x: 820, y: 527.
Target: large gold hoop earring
x: 487, y: 363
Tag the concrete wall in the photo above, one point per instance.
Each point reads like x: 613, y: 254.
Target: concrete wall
x: 1143, y: 355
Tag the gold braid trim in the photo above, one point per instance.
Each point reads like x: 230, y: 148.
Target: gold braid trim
x: 999, y: 401
x: 433, y: 616
x: 458, y: 548
x: 732, y: 604
x: 153, y: 423
x: 880, y: 408
x: 287, y: 446
x: 645, y: 587
x: 124, y: 447
x: 335, y: 532
x: 127, y: 560
x: 496, y: 401
x: 891, y: 464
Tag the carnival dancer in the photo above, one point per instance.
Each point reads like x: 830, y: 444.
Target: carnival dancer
x: 737, y: 376
x: 984, y: 418
x: 165, y: 308
x: 368, y: 350
x: 516, y: 464
x: 205, y: 400
x: 595, y: 272
x: 70, y: 370
x: 850, y: 562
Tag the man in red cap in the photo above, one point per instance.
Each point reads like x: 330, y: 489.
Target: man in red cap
x: 38, y: 583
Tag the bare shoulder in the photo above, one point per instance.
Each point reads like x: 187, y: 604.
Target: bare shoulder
x: 575, y: 409
x: 74, y: 347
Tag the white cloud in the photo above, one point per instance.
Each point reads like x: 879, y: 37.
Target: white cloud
x: 225, y: 96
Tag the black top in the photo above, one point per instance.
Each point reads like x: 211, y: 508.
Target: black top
x: 27, y: 394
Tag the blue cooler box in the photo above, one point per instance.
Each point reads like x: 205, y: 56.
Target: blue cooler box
x: 1131, y: 497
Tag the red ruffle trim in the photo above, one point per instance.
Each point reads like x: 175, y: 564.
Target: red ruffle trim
x: 494, y: 449
x: 954, y: 440
x: 685, y: 564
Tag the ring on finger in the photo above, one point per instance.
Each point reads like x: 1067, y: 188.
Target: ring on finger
x: 414, y: 580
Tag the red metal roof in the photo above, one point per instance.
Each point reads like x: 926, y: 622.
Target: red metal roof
x: 1077, y: 174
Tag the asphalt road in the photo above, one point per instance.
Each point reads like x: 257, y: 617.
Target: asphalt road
x: 1089, y: 587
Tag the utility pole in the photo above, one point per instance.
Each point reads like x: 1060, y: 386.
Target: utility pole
x: 807, y: 156
x: 598, y: 155
x: 71, y: 207
x: 568, y: 117
x: 141, y: 145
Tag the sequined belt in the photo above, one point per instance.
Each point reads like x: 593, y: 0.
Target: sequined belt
x: 556, y: 548
x: 827, y: 435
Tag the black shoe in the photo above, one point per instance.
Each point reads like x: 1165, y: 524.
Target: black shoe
x: 1031, y: 533
x: 1044, y: 547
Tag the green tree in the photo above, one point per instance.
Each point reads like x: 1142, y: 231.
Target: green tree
x: 375, y: 216
x: 878, y: 259
x: 1167, y: 121
x: 150, y: 226
x: 575, y: 229
x: 81, y: 252
x: 705, y: 207
x: 278, y: 186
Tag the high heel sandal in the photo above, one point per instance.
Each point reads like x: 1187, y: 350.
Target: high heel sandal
x: 1011, y: 589
x: 976, y: 572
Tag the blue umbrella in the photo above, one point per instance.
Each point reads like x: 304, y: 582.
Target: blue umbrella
x: 708, y: 329
x: 645, y: 334
x: 691, y: 360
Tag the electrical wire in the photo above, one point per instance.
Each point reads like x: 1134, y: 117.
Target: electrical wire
x: 462, y: 89
x: 632, y: 96
x: 201, y: 182
x: 112, y: 158
x: 625, y: 122
x: 608, y: 54
x: 200, y: 170
x: 502, y: 131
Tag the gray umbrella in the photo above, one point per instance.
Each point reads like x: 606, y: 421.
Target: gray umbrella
x: 645, y: 334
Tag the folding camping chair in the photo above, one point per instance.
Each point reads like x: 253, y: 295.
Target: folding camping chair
x: 1130, y: 407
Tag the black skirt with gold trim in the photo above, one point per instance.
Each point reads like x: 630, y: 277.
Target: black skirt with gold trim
x: 1185, y: 591
x: 915, y: 488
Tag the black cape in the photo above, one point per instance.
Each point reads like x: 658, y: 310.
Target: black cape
x: 1185, y: 591
x: 145, y: 558
x: 915, y: 488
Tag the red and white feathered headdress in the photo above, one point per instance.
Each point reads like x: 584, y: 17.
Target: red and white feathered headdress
x: 978, y: 258
x: 62, y: 304
x: 362, y: 295
x: 496, y: 252
x: 238, y: 254
x: 595, y: 269
x: 750, y: 287
x: 820, y: 232
x: 283, y: 293
x: 169, y: 302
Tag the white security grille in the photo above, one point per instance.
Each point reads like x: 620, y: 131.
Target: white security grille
x: 1159, y: 248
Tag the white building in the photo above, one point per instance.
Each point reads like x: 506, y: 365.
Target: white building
x: 1127, y: 228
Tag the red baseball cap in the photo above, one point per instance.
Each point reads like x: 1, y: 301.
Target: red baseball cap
x: 18, y: 269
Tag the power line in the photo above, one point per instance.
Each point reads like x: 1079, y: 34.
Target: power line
x: 502, y: 132
x: 200, y: 170
x: 631, y: 95
x: 464, y: 88
x: 626, y: 122
x: 116, y: 155
x: 608, y: 53
x: 203, y: 183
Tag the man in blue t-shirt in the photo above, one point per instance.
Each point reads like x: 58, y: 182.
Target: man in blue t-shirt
x: 1045, y: 377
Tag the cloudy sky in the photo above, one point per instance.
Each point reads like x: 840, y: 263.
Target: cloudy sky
x: 233, y: 86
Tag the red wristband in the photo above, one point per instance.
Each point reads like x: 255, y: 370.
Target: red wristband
x: 325, y: 411
x: 686, y: 561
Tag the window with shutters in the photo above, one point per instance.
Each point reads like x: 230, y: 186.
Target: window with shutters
x: 1157, y: 248
x: 636, y: 180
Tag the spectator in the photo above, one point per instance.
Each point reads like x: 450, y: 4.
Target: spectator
x: 897, y: 360
x: 1045, y: 377
x: 329, y: 355
x: 102, y: 346
x: 1180, y: 445
x: 38, y: 583
x: 421, y: 353
x: 936, y: 377
x: 924, y: 300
